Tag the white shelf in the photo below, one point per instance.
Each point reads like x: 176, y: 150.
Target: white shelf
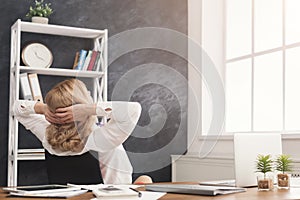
x: 31, y: 154
x: 24, y: 151
x: 99, y: 87
x: 59, y: 30
x: 60, y: 72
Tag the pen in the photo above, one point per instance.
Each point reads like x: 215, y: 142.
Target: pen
x: 139, y: 193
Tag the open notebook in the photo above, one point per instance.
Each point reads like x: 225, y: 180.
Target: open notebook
x: 116, y: 191
x: 247, y: 146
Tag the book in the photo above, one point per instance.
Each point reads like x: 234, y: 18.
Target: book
x: 97, y: 64
x: 87, y: 60
x: 92, y: 60
x: 82, y: 56
x: 76, y: 60
x: 25, y: 87
x: 35, y: 87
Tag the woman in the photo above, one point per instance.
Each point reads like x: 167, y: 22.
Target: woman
x: 66, y: 125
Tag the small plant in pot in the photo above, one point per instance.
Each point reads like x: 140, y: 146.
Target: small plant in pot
x: 283, y: 164
x: 40, y: 12
x: 264, y: 165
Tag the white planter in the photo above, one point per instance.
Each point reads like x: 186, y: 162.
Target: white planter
x: 41, y: 20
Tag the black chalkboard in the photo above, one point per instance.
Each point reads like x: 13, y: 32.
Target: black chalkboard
x: 158, y: 101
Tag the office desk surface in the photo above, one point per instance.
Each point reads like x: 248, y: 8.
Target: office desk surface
x: 252, y: 193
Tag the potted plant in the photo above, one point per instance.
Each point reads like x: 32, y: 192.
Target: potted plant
x: 40, y: 12
x: 264, y: 164
x: 283, y: 164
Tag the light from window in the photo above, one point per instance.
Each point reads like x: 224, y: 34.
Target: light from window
x: 268, y: 92
x: 267, y: 24
x: 238, y: 96
x: 292, y: 21
x: 238, y: 28
x: 292, y: 91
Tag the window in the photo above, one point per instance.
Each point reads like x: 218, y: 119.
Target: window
x: 262, y: 66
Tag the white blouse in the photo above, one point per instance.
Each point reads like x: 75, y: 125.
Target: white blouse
x: 106, y: 140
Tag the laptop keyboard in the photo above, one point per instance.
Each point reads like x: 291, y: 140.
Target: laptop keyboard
x: 230, y: 182
x: 177, y: 188
x: 192, y: 189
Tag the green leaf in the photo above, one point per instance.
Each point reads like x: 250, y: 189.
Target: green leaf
x: 40, y: 9
x: 264, y: 163
x: 283, y: 163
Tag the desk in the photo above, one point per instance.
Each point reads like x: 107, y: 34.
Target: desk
x: 252, y: 193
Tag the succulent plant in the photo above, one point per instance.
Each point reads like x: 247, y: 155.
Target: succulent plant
x: 264, y: 164
x: 283, y: 163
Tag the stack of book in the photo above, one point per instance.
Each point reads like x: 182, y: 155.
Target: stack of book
x: 87, y: 60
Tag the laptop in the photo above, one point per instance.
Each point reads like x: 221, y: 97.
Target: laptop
x: 247, y: 146
x: 193, y: 189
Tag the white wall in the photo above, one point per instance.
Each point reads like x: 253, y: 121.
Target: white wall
x: 206, y: 19
x: 194, y: 90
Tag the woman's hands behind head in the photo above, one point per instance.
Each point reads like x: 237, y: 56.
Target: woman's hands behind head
x: 41, y: 108
x: 77, y: 112
x: 51, y: 117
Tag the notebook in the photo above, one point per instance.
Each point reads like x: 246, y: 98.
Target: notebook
x: 116, y: 192
x: 246, y: 148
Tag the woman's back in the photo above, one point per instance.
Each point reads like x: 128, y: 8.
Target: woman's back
x: 79, y: 169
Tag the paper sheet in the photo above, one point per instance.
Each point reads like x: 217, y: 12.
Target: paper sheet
x: 146, y: 195
x: 96, y: 186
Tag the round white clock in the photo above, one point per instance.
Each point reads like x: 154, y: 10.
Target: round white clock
x: 37, y: 55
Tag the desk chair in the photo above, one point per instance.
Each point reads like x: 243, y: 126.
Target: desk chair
x: 80, y: 169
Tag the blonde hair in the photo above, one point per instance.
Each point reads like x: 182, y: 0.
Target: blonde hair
x: 71, y: 136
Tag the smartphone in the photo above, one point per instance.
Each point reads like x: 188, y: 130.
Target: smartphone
x: 110, y: 189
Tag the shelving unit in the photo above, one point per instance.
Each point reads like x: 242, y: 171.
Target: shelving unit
x: 99, y: 78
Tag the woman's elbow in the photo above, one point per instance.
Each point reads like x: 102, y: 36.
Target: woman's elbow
x: 22, y: 108
x: 137, y: 109
x: 126, y: 117
x: 16, y: 109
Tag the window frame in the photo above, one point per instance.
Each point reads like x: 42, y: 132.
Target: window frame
x: 252, y: 57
